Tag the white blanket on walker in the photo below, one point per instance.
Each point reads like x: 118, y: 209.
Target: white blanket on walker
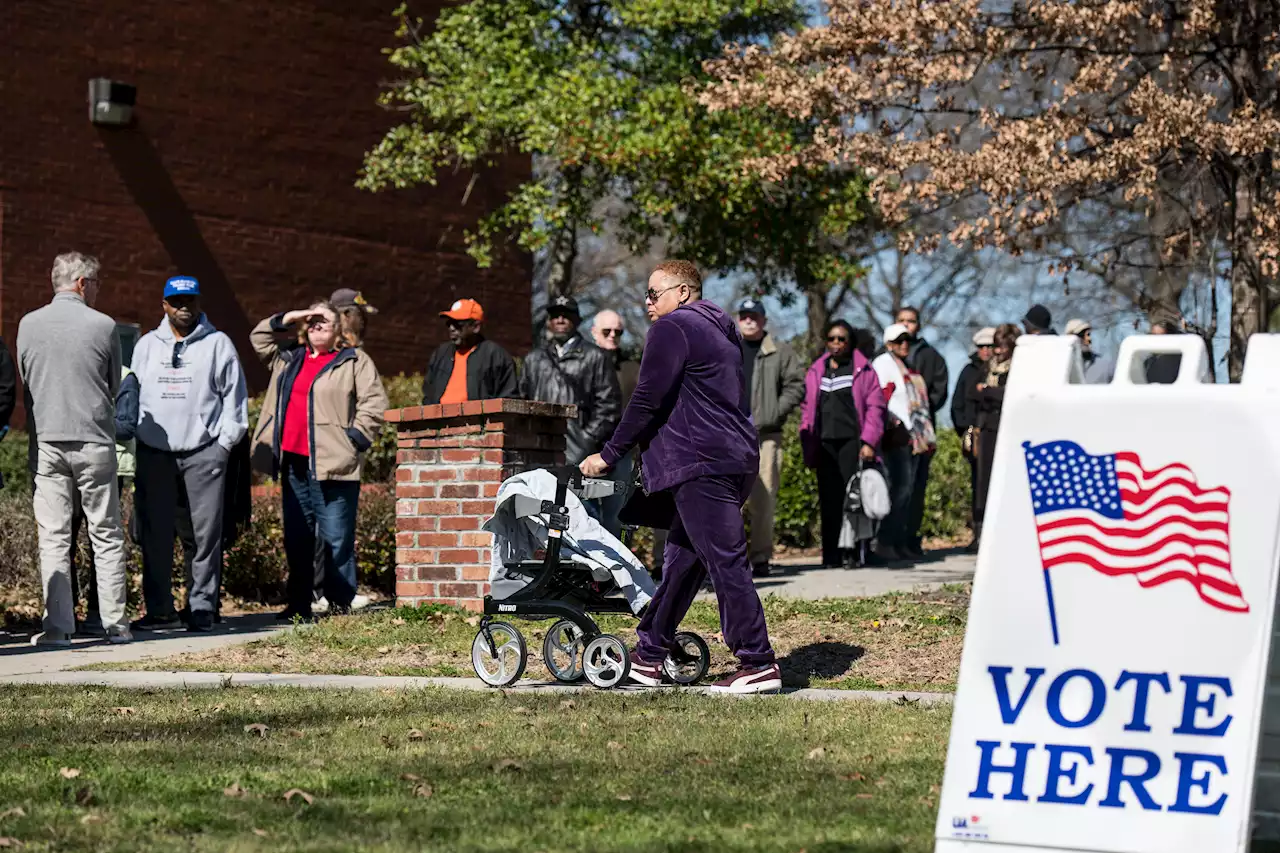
x: 519, y: 529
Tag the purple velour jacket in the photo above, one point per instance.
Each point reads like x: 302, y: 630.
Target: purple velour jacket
x: 689, y: 412
x: 868, y: 399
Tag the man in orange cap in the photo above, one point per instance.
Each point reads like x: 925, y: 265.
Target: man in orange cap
x: 468, y: 367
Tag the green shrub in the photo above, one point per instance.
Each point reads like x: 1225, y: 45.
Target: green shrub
x: 380, y: 460
x: 796, y: 521
x: 14, y: 465
x: 947, y: 500
x: 255, y: 567
x: 376, y: 540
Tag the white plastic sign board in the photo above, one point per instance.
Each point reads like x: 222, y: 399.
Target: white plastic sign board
x: 1111, y: 689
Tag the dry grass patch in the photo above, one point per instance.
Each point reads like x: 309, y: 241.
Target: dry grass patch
x: 905, y: 641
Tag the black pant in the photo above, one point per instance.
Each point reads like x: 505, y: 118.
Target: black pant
x: 839, y: 462
x: 986, y: 453
x: 915, y: 512
x: 973, y: 490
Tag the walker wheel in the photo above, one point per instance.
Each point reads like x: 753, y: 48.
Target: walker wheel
x: 689, y: 661
x: 606, y: 662
x: 506, y: 666
x: 562, y: 651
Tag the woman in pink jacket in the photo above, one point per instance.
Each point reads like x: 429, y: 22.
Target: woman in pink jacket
x: 841, y: 421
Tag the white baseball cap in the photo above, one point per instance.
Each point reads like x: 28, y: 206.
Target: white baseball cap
x: 984, y: 337
x: 894, y: 332
x: 1078, y: 327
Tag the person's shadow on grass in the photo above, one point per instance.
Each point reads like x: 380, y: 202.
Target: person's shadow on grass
x: 818, y: 660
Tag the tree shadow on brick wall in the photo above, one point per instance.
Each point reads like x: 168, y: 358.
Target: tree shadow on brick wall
x: 148, y: 182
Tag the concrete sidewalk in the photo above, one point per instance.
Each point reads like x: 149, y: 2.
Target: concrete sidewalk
x: 18, y: 658
x: 20, y: 663
x: 805, y: 578
x: 207, y: 680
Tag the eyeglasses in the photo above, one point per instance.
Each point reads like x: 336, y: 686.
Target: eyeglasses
x: 459, y: 324
x: 611, y: 333
x: 652, y: 295
x: 837, y: 339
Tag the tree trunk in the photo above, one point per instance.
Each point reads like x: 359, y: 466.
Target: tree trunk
x: 1249, y: 309
x: 816, y: 305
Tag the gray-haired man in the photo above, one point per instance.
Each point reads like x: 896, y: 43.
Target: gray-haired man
x: 69, y: 359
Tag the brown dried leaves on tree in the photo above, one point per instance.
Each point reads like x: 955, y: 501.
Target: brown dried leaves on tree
x: 1017, y: 116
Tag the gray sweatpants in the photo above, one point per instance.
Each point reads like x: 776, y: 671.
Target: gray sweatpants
x: 163, y: 478
x: 64, y: 468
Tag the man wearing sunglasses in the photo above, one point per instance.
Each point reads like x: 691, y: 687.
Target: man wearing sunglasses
x: 607, y: 331
x: 689, y: 415
x: 468, y: 366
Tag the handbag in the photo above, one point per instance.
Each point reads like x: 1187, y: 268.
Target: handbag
x: 642, y: 509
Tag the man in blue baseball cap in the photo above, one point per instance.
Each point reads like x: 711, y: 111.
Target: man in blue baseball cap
x: 192, y: 411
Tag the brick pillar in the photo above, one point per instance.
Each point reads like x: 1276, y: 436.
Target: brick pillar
x: 450, y: 463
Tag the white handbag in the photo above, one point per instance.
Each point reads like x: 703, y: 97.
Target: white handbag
x: 875, y: 493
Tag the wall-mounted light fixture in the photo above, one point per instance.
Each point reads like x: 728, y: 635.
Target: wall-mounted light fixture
x: 111, y: 102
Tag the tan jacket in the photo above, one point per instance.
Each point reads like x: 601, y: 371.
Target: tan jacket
x: 348, y: 405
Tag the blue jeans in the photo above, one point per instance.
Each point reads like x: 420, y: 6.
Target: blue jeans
x: 329, y: 509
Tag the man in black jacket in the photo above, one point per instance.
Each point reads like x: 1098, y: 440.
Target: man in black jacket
x: 468, y: 367
x: 568, y: 369
x: 964, y: 409
x: 929, y: 363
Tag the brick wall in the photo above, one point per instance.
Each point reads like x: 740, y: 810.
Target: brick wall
x: 450, y: 463
x: 252, y: 122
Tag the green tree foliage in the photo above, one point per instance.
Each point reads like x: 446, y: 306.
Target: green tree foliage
x: 601, y: 94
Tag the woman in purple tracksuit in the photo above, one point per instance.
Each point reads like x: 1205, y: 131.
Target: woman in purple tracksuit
x: 688, y: 414
x: 841, y: 421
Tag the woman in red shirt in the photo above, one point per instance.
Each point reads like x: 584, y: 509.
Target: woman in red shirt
x: 323, y: 409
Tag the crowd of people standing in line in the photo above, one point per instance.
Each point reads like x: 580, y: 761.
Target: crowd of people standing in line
x: 175, y: 423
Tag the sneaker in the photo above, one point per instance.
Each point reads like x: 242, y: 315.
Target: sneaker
x: 749, y: 679
x: 320, y: 605
x: 360, y: 602
x: 200, y: 621
x: 646, y: 674
x: 156, y: 623
x: 760, y: 570
x: 119, y: 635
x: 51, y: 640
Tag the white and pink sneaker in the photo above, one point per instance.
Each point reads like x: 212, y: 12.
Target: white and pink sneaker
x: 751, y: 679
x: 645, y: 674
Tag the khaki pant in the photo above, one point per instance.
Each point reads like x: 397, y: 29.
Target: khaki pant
x: 63, y: 469
x: 764, y: 500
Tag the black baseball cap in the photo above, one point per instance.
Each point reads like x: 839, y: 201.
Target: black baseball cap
x: 751, y: 305
x: 565, y: 306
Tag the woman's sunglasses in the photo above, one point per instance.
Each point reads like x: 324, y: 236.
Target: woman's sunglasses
x: 837, y: 339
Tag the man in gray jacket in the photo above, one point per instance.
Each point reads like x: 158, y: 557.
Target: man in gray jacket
x: 69, y: 359
x: 192, y: 411
x: 775, y: 380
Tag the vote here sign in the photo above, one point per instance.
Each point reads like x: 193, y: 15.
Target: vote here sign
x: 1111, y: 687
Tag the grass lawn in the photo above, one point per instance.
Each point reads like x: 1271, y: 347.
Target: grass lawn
x: 899, y: 642
x: 105, y: 769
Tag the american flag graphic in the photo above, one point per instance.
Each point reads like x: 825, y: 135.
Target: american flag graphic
x: 1110, y: 514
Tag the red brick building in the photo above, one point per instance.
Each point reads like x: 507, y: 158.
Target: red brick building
x: 250, y: 127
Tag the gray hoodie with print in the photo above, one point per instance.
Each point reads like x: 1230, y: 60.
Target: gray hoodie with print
x: 192, y: 391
